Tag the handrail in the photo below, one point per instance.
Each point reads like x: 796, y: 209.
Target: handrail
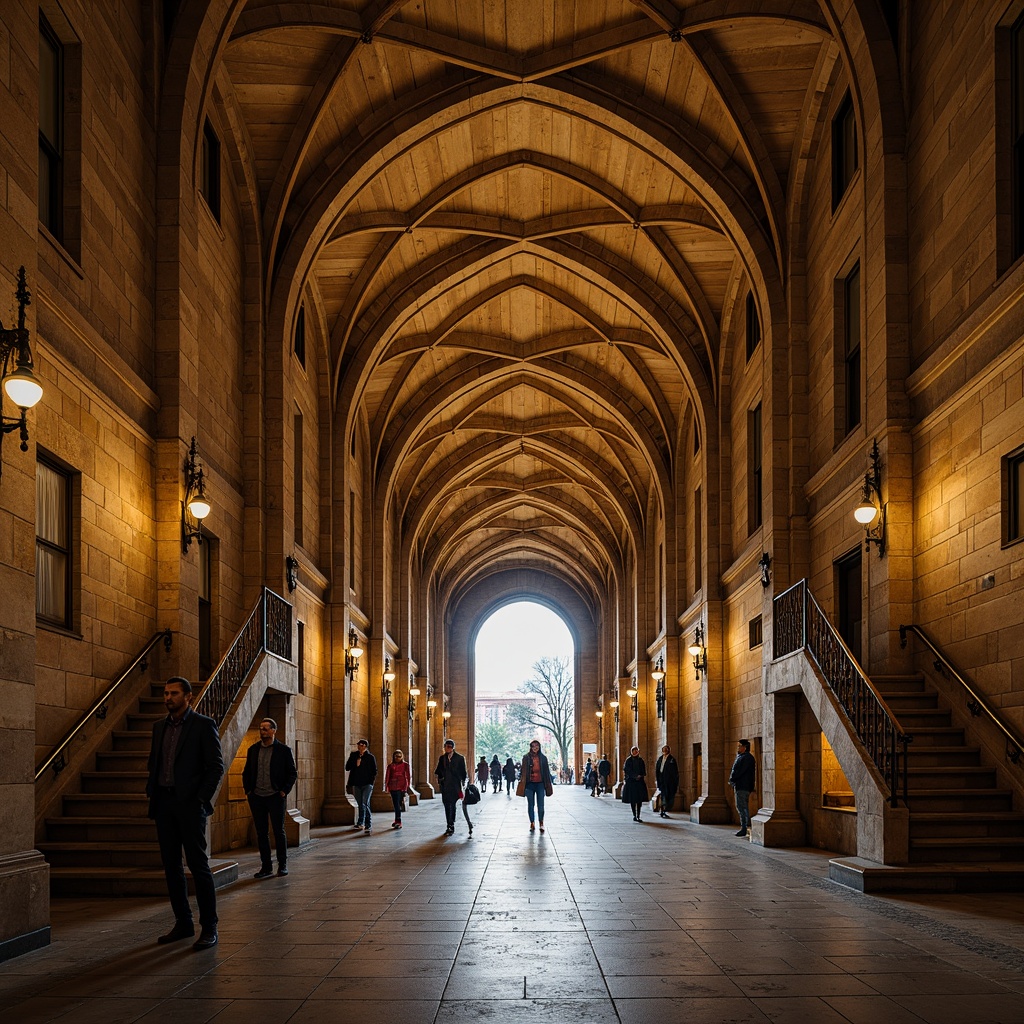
x: 57, y: 761
x: 977, y: 703
x: 268, y: 628
x: 799, y: 623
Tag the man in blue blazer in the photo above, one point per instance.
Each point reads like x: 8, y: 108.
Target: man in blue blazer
x: 267, y: 778
x: 185, y: 769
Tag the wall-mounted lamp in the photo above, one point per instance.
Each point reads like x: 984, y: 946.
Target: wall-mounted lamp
x: 870, y: 513
x: 614, y: 705
x: 445, y: 715
x: 20, y: 385
x: 385, y: 689
x: 658, y: 675
x: 698, y: 651
x: 414, y: 692
x: 352, y: 654
x: 764, y: 565
x: 431, y: 703
x: 196, y: 506
x: 631, y: 693
x: 291, y: 573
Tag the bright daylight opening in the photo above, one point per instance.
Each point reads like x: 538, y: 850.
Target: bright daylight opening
x: 524, y: 686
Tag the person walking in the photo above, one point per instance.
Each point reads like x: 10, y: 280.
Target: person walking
x: 451, y: 774
x: 666, y: 773
x: 267, y: 779
x: 397, y: 782
x: 535, y: 780
x: 634, y: 789
x: 185, y: 769
x: 495, y: 774
x: 741, y: 778
x: 595, y: 781
x: 482, y: 773
x: 604, y: 770
x: 509, y: 771
x: 362, y: 771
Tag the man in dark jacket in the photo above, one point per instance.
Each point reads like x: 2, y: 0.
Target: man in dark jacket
x: 604, y: 769
x: 267, y: 779
x: 666, y: 773
x: 362, y: 770
x: 451, y: 777
x: 185, y: 769
x: 741, y: 778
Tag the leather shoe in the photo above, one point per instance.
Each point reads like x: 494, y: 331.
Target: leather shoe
x: 742, y: 832
x: 282, y: 870
x: 264, y: 873
x: 206, y: 940
x: 181, y: 930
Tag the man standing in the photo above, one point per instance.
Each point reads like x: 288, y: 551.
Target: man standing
x: 604, y: 769
x: 267, y: 779
x: 362, y: 770
x: 741, y: 778
x: 451, y: 777
x: 666, y: 773
x: 185, y: 769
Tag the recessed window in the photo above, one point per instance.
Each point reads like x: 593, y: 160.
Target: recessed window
x: 844, y: 149
x: 51, y: 130
x: 1017, y: 134
x: 53, y: 545
x: 210, y: 170
x: 753, y: 326
x: 1013, y: 497
x: 300, y: 336
x: 297, y: 479
x: 848, y: 357
x: 301, y: 640
x: 755, y: 469
x: 756, y: 632
x: 698, y: 542
x: 205, y: 607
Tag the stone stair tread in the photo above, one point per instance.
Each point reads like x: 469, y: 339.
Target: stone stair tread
x: 84, y: 844
x: 974, y: 841
x: 114, y: 872
x: 920, y: 748
x: 973, y: 769
x: 965, y: 816
x: 99, y: 819
x: 942, y: 877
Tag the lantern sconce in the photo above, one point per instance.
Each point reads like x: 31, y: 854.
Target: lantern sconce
x: 634, y: 702
x: 352, y: 654
x: 870, y: 513
x: 658, y: 675
x: 385, y: 690
x: 414, y: 692
x: 431, y: 703
x: 614, y: 705
x: 699, y: 652
x: 291, y: 573
x: 764, y: 565
x: 196, y: 506
x: 445, y: 715
x: 20, y: 385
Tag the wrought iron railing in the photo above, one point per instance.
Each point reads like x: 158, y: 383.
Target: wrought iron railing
x: 58, y: 759
x: 975, y: 702
x: 799, y: 623
x: 268, y: 628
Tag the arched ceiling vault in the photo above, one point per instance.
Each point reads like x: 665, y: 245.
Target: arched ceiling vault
x: 523, y: 223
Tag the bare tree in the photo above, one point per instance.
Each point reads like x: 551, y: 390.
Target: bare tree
x: 552, y: 685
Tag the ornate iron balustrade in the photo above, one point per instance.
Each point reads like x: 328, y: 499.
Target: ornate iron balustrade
x: 975, y: 702
x: 799, y: 623
x: 268, y: 628
x: 58, y: 759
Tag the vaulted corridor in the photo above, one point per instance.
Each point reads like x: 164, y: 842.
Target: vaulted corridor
x: 600, y: 921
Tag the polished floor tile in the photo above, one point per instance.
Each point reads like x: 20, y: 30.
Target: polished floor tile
x: 599, y: 921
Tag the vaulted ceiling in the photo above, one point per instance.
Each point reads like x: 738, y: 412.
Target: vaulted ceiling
x: 525, y: 222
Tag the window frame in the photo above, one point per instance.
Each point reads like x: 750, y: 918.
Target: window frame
x: 845, y: 155
x: 1012, y: 466
x: 755, y: 469
x: 209, y: 171
x: 51, y: 151
x: 67, y: 475
x: 299, y: 336
x: 753, y: 326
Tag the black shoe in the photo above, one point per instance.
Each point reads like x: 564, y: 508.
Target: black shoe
x: 742, y: 832
x: 181, y: 930
x: 206, y: 940
x: 663, y: 814
x: 264, y: 873
x: 282, y: 871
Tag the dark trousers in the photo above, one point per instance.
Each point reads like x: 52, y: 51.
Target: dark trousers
x: 397, y: 796
x: 264, y: 809
x: 668, y: 797
x: 450, y: 807
x: 181, y: 825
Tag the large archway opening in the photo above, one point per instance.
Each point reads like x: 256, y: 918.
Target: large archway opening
x: 525, y: 661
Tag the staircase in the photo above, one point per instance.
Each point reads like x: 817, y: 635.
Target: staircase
x: 964, y: 830
x: 103, y: 844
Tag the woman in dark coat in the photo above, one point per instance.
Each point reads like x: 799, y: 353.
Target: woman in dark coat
x: 634, y: 790
x: 481, y: 773
x: 509, y: 771
x: 537, y: 776
x: 495, y: 774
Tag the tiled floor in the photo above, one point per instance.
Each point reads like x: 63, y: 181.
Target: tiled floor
x: 600, y: 920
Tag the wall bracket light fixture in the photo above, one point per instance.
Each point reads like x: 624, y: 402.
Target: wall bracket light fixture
x: 658, y: 675
x: 631, y: 693
x: 196, y: 506
x: 764, y: 565
x: 699, y: 652
x: 871, y: 512
x: 385, y: 689
x: 20, y: 385
x: 352, y: 654
x: 414, y: 692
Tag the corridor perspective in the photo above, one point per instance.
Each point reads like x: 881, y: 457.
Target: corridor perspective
x: 598, y: 921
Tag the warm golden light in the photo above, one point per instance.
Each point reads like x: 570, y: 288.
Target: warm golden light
x: 22, y: 388
x: 866, y: 513
x: 695, y: 650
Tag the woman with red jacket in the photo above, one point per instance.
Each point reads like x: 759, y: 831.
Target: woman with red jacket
x: 397, y: 780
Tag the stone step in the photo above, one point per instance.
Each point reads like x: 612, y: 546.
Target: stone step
x: 967, y: 849
x: 922, y: 755
x: 960, y: 800
x: 125, y: 740
x: 938, y: 735
x: 911, y: 701
x: 118, y: 881
x: 867, y: 876
x: 925, y: 718
x: 100, y: 830
x: 114, y: 781
x: 965, y: 824
x: 144, y: 722
x: 101, y: 855
x: 964, y: 776
x: 123, y: 760
x: 99, y: 805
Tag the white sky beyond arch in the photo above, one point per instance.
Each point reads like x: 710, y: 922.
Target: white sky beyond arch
x: 512, y: 639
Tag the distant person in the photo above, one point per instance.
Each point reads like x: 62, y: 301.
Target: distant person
x: 185, y: 769
x: 362, y: 771
x: 482, y: 773
x: 537, y: 773
x: 666, y: 772
x: 397, y: 782
x: 509, y: 771
x: 587, y: 769
x: 634, y: 788
x: 267, y: 779
x: 741, y: 778
x: 495, y: 774
x: 595, y: 781
x: 451, y: 774
x: 604, y: 769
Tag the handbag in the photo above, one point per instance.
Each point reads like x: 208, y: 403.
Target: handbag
x: 521, y: 786
x: 472, y: 794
